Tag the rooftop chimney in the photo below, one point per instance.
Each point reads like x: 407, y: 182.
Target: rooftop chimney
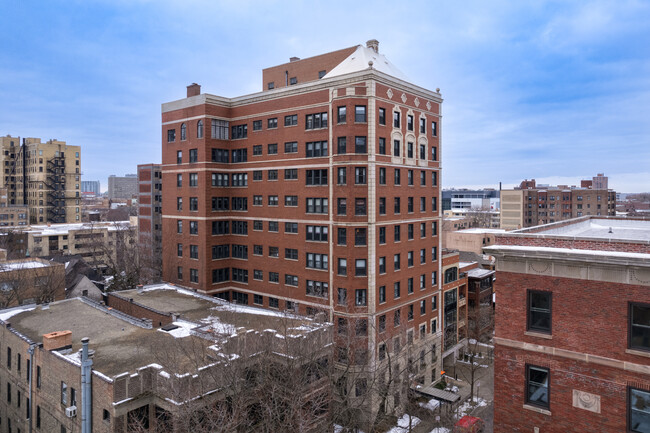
x: 294, y: 59
x: 374, y: 44
x: 193, y: 90
x: 57, y: 340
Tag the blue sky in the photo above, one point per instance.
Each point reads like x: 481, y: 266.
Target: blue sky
x: 555, y: 91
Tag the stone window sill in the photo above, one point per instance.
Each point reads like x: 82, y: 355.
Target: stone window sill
x: 537, y: 409
x: 539, y: 335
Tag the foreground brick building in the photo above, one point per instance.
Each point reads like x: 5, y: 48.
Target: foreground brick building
x: 572, y: 345
x: 319, y: 193
x: 157, y: 357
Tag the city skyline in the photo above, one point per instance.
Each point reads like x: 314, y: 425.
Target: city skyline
x: 94, y: 75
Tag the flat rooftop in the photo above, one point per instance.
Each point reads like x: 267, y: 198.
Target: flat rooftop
x: 23, y: 264
x: 595, y: 228
x: 65, y: 228
x: 122, y: 346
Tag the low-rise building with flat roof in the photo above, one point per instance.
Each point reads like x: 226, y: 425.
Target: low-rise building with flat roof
x: 156, y: 355
x: 32, y: 280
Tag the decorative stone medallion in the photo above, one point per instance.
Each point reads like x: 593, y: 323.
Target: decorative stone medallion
x: 586, y: 401
x: 428, y: 105
x: 389, y: 92
x: 404, y: 98
x: 417, y: 102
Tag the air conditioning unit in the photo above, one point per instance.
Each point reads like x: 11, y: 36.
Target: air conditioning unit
x: 71, y: 411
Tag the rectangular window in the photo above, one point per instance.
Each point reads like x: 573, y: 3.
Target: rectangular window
x: 316, y: 177
x: 360, y: 237
x: 397, y: 177
x: 537, y: 386
x: 342, y: 296
x: 341, y: 175
x: 360, y: 145
x: 423, y: 152
x: 539, y: 311
x: 382, y: 235
x: 396, y: 147
x: 273, y: 200
x: 396, y: 207
x: 316, y: 121
x: 239, y: 155
x: 257, y: 125
x: 360, y: 297
x: 423, y: 127
x: 342, y: 268
x: 291, y: 147
x: 274, y: 303
x: 291, y: 200
x: 397, y: 262
x: 64, y: 394
x: 291, y: 280
x: 382, y: 175
x: 316, y: 233
x: 382, y: 116
x: 179, y: 157
x: 272, y: 149
x: 341, y: 146
x: 397, y: 290
x: 317, y: 261
x: 341, y: 206
x: 434, y: 153
x: 341, y: 113
x: 220, y: 251
x: 382, y: 294
x: 271, y: 123
x: 638, y: 410
x: 639, y: 326
x: 409, y: 122
x: 396, y: 119
x: 360, y: 268
x: 341, y: 238
x: 274, y: 226
x: 360, y: 113
x: 194, y: 155
x: 360, y: 206
x: 382, y: 265
x: 360, y: 175
x: 316, y: 205
x: 291, y: 120
x: 220, y: 155
x: 382, y: 146
x: 239, y: 131
x: 319, y: 289
x: 171, y: 135
x: 434, y: 129
x: 274, y: 277
x: 290, y: 174
x: 397, y: 234
x: 219, y: 129
x: 316, y: 149
x: 291, y: 227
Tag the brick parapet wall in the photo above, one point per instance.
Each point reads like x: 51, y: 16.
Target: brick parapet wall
x: 574, y: 243
x: 127, y: 306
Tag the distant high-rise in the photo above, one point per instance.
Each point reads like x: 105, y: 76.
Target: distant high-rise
x: 90, y: 186
x: 43, y: 176
x: 123, y: 187
x: 150, y: 218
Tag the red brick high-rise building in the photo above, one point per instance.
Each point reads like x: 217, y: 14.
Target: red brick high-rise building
x: 319, y: 193
x: 150, y: 220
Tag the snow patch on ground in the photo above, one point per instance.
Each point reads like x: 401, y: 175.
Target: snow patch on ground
x: 467, y: 407
x: 183, y: 329
x: 403, y: 424
x: 440, y: 430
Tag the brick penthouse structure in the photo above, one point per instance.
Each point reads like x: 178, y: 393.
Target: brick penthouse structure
x: 531, y: 204
x: 572, y: 345
x: 319, y: 193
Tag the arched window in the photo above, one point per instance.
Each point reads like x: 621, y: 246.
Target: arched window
x: 199, y: 129
x: 183, y: 132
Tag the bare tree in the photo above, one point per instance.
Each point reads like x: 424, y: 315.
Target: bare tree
x: 480, y: 325
x: 479, y: 217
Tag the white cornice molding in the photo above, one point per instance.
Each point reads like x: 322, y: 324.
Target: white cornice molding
x: 309, y: 87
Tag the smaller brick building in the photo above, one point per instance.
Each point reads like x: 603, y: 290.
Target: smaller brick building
x: 160, y: 355
x: 29, y: 281
x: 572, y: 345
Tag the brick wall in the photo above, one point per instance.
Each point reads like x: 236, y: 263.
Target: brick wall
x: 138, y: 310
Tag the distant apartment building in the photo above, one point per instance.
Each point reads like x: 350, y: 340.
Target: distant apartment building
x: 318, y: 194
x: 90, y: 186
x: 572, y: 338
x: 12, y: 215
x: 463, y: 200
x: 98, y: 243
x: 150, y: 218
x: 43, y: 176
x: 29, y: 281
x: 531, y: 204
x: 125, y: 187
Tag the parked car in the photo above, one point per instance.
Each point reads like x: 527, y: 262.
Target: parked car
x: 469, y: 424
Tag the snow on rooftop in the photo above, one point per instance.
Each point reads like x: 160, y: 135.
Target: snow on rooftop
x: 625, y: 229
x: 479, y: 273
x: 479, y: 230
x: 13, y: 266
x: 358, y: 61
x: 9, y: 313
x: 595, y: 253
x: 60, y: 229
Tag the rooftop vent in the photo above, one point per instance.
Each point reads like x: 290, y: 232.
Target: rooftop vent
x: 373, y: 44
x: 294, y: 59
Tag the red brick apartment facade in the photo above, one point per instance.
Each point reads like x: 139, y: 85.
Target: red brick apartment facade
x: 572, y: 345
x: 319, y: 193
x: 150, y: 217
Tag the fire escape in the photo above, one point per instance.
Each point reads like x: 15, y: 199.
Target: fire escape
x: 55, y: 182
